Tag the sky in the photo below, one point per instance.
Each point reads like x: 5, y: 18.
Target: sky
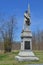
x: 9, y: 8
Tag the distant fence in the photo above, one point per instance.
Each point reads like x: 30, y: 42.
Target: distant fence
x: 17, y: 46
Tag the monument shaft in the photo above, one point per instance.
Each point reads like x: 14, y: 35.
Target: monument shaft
x: 26, y: 53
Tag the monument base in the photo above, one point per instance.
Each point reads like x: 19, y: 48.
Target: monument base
x: 26, y: 56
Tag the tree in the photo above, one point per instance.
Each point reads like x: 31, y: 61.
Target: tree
x: 34, y: 41
x: 8, y: 31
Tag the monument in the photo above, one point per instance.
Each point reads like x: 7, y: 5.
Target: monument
x: 26, y: 53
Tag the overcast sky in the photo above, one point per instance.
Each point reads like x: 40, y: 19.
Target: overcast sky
x: 18, y: 7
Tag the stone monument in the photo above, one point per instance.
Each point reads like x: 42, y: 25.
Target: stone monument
x: 26, y: 53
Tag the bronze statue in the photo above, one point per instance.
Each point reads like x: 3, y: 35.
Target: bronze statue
x: 27, y: 18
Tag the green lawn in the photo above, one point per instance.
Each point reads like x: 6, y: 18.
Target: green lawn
x: 9, y: 58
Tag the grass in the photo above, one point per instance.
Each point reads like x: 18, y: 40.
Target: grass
x: 9, y: 58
